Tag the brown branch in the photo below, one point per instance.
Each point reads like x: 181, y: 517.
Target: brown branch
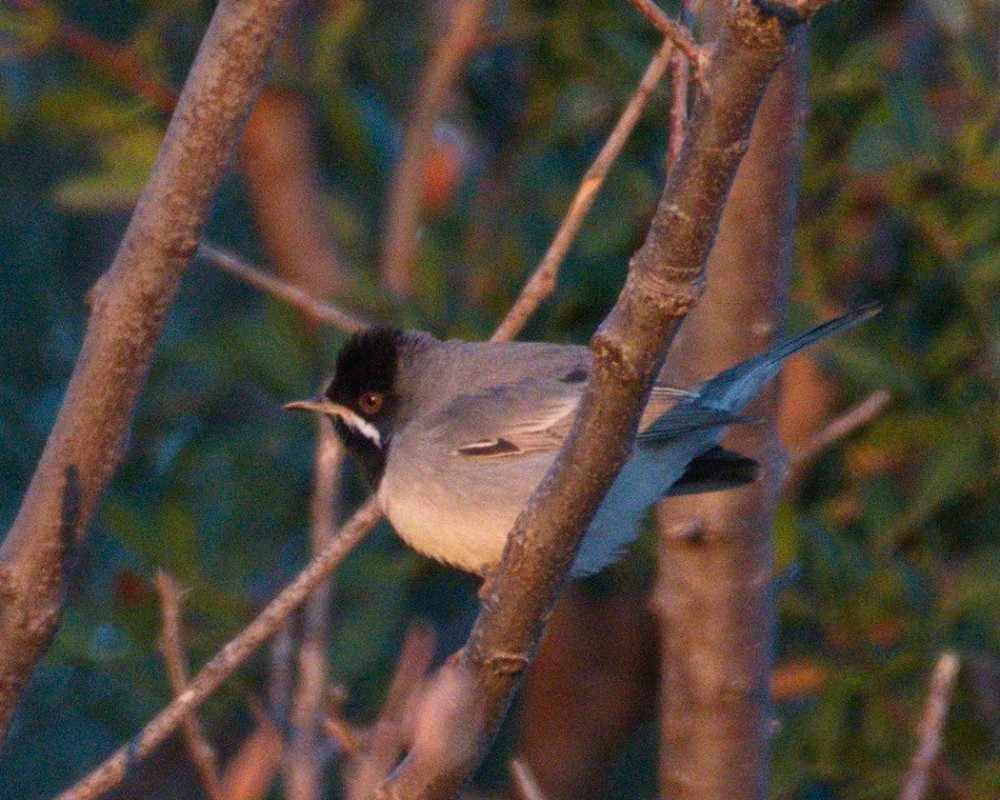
x: 171, y: 647
x: 279, y: 161
x: 664, y: 281
x: 679, y: 71
x: 543, y: 280
x: 406, y: 186
x: 303, y: 761
x: 712, y: 596
x: 250, y: 772
x: 266, y: 282
x: 931, y: 727
x: 675, y: 33
x: 855, y: 417
x: 238, y: 649
x: 129, y: 304
x: 524, y: 780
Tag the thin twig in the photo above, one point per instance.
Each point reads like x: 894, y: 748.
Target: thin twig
x: 855, y: 417
x: 931, y: 727
x: 406, y: 187
x: 303, y: 763
x: 525, y: 781
x: 679, y: 72
x: 210, y: 677
x: 675, y: 33
x: 171, y: 647
x: 301, y: 299
x: 543, y: 280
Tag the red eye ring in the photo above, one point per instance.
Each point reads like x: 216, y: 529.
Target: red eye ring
x: 371, y: 402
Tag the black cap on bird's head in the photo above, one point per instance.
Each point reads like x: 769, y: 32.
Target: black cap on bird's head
x: 361, y: 399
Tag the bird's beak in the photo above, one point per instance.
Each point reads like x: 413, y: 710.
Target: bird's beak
x: 319, y: 407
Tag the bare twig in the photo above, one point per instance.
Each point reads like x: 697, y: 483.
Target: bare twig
x: 931, y: 727
x: 211, y: 676
x: 855, y: 417
x: 675, y: 33
x: 406, y: 187
x: 171, y: 648
x: 301, y: 299
x: 679, y: 71
x: 348, y: 737
x: 303, y: 762
x: 129, y: 304
x: 543, y: 280
x: 524, y: 780
x: 665, y: 280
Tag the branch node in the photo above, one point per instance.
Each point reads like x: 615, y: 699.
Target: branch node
x: 609, y: 354
x: 507, y: 663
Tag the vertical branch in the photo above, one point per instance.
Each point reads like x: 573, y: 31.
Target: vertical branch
x: 171, y: 647
x: 129, y: 304
x: 713, y: 594
x: 403, y: 216
x: 303, y: 764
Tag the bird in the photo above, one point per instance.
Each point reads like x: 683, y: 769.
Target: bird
x: 454, y: 436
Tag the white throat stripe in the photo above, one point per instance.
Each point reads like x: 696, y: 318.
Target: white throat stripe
x: 362, y: 426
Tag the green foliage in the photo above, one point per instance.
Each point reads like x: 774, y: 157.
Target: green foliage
x: 892, y: 534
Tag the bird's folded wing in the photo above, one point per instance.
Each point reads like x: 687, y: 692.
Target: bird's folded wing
x: 531, y: 416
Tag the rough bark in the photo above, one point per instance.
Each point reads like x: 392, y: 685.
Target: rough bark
x: 713, y: 595
x: 128, y: 306
x: 664, y: 281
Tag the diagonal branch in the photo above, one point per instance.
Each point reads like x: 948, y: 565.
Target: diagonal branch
x: 675, y: 33
x: 171, y: 647
x: 266, y: 282
x: 129, y: 305
x: 931, y: 727
x: 665, y: 279
x: 543, y: 280
x: 211, y: 676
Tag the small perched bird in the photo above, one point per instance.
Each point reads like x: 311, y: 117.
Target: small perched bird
x: 454, y: 436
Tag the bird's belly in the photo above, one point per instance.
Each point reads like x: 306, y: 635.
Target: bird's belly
x: 466, y: 528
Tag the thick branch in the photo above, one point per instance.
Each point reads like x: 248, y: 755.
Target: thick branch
x: 713, y: 596
x: 543, y: 280
x: 129, y: 304
x: 664, y: 281
x: 211, y: 676
x: 406, y: 187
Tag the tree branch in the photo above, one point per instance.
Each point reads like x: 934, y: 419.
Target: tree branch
x: 406, y: 187
x: 675, y: 33
x: 266, y: 282
x: 211, y: 676
x: 129, y: 304
x: 543, y: 280
x: 303, y: 763
x: 664, y: 281
x: 855, y: 417
x: 931, y: 727
x: 712, y: 597
x: 171, y: 647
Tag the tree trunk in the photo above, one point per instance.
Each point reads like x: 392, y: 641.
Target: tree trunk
x: 713, y: 594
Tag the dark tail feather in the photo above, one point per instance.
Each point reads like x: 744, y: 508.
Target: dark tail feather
x: 714, y: 470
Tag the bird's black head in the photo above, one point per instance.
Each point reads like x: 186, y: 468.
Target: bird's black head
x: 365, y: 384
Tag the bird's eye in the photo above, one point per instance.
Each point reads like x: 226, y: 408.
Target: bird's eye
x: 371, y: 402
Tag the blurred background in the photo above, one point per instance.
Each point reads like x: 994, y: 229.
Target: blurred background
x: 887, y: 540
